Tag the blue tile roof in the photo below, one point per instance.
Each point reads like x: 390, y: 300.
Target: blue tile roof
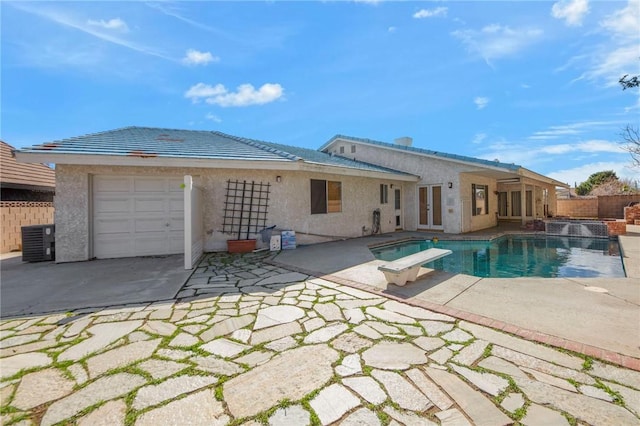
x: 442, y: 155
x: 200, y: 144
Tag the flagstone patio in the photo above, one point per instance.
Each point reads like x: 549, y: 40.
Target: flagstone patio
x: 249, y: 343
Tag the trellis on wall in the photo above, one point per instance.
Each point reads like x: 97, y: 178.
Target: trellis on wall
x: 245, y: 207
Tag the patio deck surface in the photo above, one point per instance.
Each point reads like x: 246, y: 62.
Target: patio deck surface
x: 562, y: 311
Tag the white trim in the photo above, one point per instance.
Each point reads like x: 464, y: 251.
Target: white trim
x: 193, y: 226
x: 284, y: 165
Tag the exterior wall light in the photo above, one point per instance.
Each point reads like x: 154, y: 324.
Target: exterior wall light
x: 450, y: 185
x: 278, y: 179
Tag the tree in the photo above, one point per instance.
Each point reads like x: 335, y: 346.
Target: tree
x: 631, y: 140
x: 594, y: 180
x: 629, y: 83
x: 630, y: 134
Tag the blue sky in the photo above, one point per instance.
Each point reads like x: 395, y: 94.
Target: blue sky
x: 534, y: 83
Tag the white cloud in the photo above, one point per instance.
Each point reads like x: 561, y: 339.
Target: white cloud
x: 111, y: 24
x: 527, y: 153
x: 556, y: 132
x: 617, y: 54
x: 61, y: 17
x: 202, y: 90
x: 496, y: 41
x: 478, y: 138
x: 194, y: 57
x: 245, y: 94
x: 582, y: 173
x: 572, y: 11
x: 392, y: 29
x: 624, y: 22
x: 431, y: 13
x: 589, y: 146
x: 481, y: 102
x: 213, y: 117
x: 614, y: 64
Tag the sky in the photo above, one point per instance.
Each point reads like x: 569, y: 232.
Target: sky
x: 533, y: 83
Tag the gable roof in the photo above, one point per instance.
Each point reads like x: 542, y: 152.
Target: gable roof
x: 427, y: 152
x: 478, y: 162
x: 24, y: 176
x: 175, y: 144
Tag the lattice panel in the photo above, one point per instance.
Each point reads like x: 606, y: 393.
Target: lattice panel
x: 245, y: 208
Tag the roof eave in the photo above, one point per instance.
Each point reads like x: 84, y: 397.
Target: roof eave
x: 152, y: 161
x: 537, y: 176
x: 350, y: 171
x: 121, y: 160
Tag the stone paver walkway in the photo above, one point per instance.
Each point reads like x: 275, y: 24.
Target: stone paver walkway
x: 249, y: 343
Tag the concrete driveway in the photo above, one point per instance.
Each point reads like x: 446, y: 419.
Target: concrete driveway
x: 36, y: 288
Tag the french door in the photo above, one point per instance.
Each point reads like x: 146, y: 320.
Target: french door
x: 430, y: 207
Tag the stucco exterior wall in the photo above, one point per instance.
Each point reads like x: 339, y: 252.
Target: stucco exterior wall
x: 289, y: 204
x: 71, y: 217
x: 432, y: 171
x: 474, y: 223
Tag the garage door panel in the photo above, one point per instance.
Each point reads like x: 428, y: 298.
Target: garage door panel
x: 176, y: 245
x: 150, y: 225
x: 108, y: 247
x: 112, y: 226
x: 131, y: 215
x: 150, y: 205
x: 175, y: 186
x: 112, y: 184
x: 107, y: 205
x: 151, y: 243
x: 149, y: 184
x: 176, y: 205
x: 176, y: 224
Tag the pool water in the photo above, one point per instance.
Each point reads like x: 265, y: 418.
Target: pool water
x: 519, y: 256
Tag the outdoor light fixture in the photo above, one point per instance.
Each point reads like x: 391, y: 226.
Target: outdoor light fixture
x: 450, y: 184
x: 278, y: 179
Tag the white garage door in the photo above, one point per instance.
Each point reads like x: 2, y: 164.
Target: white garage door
x: 137, y: 216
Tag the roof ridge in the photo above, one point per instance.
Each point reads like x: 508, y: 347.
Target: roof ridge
x: 260, y: 145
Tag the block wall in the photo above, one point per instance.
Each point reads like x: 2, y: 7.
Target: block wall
x: 612, y: 206
x: 578, y: 207
x: 616, y: 227
x: 15, y: 215
x: 632, y: 215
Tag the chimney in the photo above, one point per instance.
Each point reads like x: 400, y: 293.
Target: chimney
x: 403, y: 141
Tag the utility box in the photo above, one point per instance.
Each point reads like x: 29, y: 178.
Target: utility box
x: 275, y: 243
x: 38, y: 243
x: 288, y: 240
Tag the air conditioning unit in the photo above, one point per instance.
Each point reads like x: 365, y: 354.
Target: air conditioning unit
x: 38, y: 243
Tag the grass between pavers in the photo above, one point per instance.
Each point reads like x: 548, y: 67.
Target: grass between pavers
x: 512, y: 387
x: 570, y: 419
x: 20, y: 416
x: 301, y: 336
x: 617, y: 397
x: 265, y: 415
x: 587, y: 364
